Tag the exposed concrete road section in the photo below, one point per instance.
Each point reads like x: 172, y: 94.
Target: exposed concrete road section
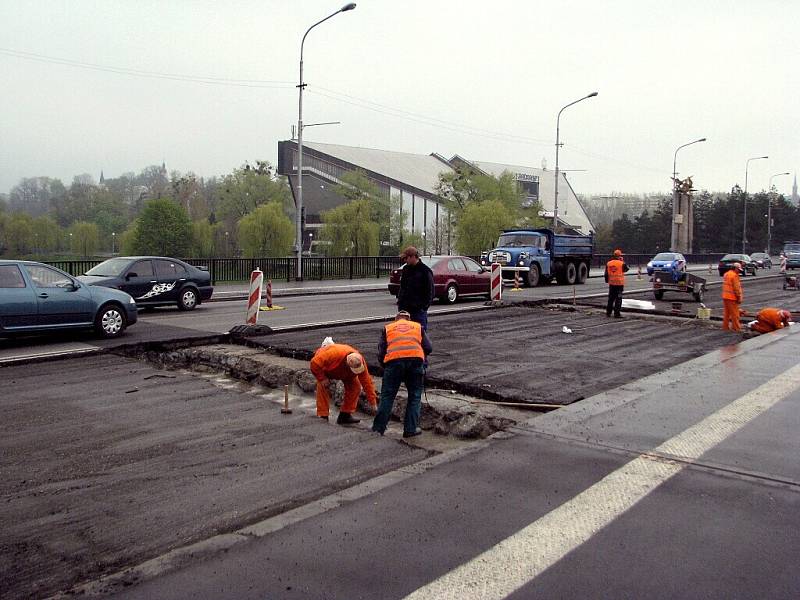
x: 107, y: 462
x: 520, y: 354
x: 681, y: 485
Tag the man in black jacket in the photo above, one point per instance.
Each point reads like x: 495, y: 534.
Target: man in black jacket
x: 416, y: 287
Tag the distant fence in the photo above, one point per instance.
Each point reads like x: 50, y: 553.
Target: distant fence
x: 239, y: 269
x: 332, y: 267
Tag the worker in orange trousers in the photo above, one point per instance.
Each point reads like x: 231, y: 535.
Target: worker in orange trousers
x: 731, y: 298
x: 771, y: 319
x: 343, y: 362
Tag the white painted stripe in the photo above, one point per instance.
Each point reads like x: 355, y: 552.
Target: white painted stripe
x: 517, y: 560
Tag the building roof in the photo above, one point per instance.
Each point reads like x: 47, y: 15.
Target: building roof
x: 418, y: 170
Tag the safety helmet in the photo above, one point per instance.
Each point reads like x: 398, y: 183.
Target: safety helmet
x: 617, y: 252
x: 355, y: 362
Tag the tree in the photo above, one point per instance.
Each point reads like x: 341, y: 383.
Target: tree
x: 46, y: 235
x: 480, y: 225
x: 247, y: 188
x: 19, y: 234
x: 349, y: 229
x: 162, y: 228
x: 266, y: 231
x: 33, y: 195
x: 84, y: 238
x: 356, y: 186
x: 203, y: 245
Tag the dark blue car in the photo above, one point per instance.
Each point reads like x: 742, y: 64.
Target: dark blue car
x: 154, y: 280
x: 36, y: 297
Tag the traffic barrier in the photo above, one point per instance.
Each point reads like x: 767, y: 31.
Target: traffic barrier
x: 639, y: 273
x: 496, y: 282
x: 710, y: 269
x: 254, y: 298
x: 269, y: 305
x: 516, y: 287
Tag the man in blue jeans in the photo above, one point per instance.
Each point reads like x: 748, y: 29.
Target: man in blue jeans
x: 402, y: 352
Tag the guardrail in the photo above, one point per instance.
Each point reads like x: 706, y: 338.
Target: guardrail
x: 331, y: 267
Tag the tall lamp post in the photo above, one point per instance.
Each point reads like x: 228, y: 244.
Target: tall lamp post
x: 744, y: 213
x: 673, y: 241
x: 558, y: 144
x: 298, y: 246
x: 769, y: 212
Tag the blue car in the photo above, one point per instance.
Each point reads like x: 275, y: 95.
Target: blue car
x: 35, y: 297
x: 673, y: 262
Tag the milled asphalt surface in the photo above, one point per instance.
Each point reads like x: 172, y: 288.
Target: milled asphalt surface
x: 95, y: 481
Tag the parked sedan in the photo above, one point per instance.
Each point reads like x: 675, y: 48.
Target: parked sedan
x: 453, y: 277
x: 36, y: 297
x: 762, y: 260
x: 726, y: 264
x: 673, y: 262
x: 154, y: 280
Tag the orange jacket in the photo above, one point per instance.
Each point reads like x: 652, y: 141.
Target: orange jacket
x: 770, y: 319
x: 403, y: 340
x: 731, y: 287
x: 615, y: 272
x: 330, y: 362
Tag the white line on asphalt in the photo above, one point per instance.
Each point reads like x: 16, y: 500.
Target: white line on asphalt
x: 518, y: 559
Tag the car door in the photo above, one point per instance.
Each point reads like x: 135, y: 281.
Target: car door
x: 139, y: 280
x: 18, y: 306
x: 60, y: 299
x: 476, y: 277
x: 171, y: 276
x: 458, y: 272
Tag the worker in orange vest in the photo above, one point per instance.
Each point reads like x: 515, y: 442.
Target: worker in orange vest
x: 402, y: 351
x: 615, y: 278
x: 343, y: 362
x: 771, y: 319
x: 731, y: 298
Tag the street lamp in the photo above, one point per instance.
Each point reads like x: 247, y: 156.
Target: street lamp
x: 744, y: 214
x: 673, y: 242
x: 769, y: 212
x: 298, y: 246
x: 113, y: 243
x: 558, y: 131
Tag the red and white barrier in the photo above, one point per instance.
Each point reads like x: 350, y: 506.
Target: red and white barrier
x: 269, y: 293
x: 496, y: 285
x: 254, y: 298
x: 639, y: 273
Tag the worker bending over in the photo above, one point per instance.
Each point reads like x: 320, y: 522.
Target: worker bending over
x: 343, y: 362
x: 771, y: 319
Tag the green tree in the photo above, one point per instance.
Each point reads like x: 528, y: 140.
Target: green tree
x: 266, y: 231
x: 19, y: 234
x: 46, y: 235
x: 203, y: 245
x: 355, y: 186
x: 480, y: 225
x: 84, y: 238
x: 349, y: 229
x: 247, y: 188
x: 163, y: 228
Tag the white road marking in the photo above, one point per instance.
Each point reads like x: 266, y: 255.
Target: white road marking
x: 518, y: 559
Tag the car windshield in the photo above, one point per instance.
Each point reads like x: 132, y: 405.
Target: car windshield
x: 791, y: 248
x: 430, y: 260
x: 759, y: 255
x: 518, y: 239
x: 733, y: 257
x: 112, y: 267
x: 664, y: 256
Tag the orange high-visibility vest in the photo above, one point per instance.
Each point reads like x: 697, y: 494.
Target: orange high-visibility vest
x: 616, y: 275
x: 731, y: 287
x: 403, y: 340
x: 771, y: 317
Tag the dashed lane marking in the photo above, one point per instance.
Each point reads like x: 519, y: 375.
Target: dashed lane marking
x: 520, y: 558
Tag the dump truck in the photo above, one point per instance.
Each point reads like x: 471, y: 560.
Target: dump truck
x: 541, y: 255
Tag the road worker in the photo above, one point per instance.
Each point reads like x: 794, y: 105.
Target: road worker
x: 402, y: 350
x: 731, y: 298
x: 771, y: 319
x: 615, y: 278
x: 343, y: 362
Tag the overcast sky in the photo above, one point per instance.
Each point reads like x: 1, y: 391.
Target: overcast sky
x: 207, y: 85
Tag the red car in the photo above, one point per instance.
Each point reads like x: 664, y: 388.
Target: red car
x: 453, y: 277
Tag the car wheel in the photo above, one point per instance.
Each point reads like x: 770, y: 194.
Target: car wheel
x: 188, y: 299
x: 110, y: 321
x: 532, y: 276
x: 450, y: 294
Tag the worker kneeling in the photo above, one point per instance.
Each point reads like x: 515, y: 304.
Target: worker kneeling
x: 771, y: 319
x: 402, y: 351
x: 343, y: 362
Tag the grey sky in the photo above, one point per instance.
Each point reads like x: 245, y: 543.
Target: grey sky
x: 481, y: 79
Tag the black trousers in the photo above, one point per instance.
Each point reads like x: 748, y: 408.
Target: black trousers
x: 614, y: 300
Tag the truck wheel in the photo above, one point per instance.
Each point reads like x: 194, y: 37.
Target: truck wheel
x: 659, y: 294
x: 532, y: 276
x: 570, y: 274
x: 583, y: 273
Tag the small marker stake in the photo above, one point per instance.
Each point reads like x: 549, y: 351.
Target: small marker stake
x: 286, y: 410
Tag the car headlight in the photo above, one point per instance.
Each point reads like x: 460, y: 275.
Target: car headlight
x: 131, y: 300
x: 650, y: 265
